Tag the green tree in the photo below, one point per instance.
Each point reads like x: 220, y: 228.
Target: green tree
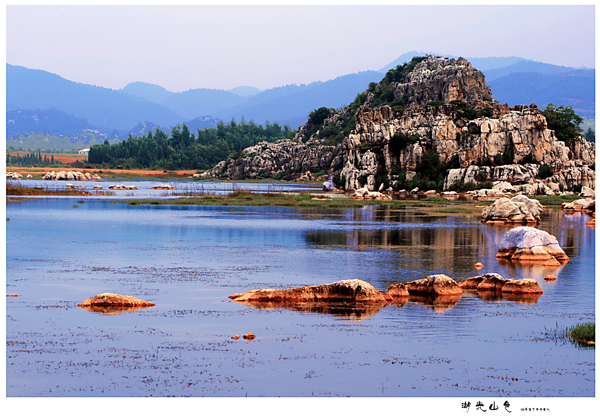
x: 590, y: 135
x: 565, y: 123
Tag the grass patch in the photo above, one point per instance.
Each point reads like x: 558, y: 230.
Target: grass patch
x: 583, y: 335
x: 556, y: 201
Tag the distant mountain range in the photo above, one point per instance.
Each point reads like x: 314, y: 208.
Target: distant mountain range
x: 39, y: 101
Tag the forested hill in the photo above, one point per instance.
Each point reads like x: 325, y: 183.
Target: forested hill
x: 184, y: 150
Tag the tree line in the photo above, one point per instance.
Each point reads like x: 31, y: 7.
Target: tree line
x: 184, y: 150
x: 29, y: 159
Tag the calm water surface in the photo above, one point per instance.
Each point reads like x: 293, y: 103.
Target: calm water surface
x: 188, y: 260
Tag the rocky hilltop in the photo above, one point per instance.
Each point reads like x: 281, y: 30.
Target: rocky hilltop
x: 432, y: 120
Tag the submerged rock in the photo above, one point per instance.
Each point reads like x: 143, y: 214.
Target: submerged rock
x: 530, y: 245
x: 110, y: 303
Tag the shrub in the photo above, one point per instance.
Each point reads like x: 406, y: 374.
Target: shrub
x: 400, y: 140
x: 545, y: 171
x: 508, y: 157
x: 498, y: 160
x: 339, y: 181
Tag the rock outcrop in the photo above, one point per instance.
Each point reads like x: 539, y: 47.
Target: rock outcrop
x: 518, y: 210
x: 70, y: 175
x: 445, y: 110
x: 530, y: 245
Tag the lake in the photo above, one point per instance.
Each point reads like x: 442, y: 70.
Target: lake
x: 189, y: 259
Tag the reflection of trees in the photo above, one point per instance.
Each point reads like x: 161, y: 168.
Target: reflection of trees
x: 419, y: 245
x: 438, y: 250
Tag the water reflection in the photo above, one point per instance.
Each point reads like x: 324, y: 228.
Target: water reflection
x: 448, y: 244
x: 347, y: 311
x: 114, y: 310
x: 362, y: 311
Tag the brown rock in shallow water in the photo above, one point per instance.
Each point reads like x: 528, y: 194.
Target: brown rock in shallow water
x: 434, y: 285
x: 473, y: 282
x: 550, y: 278
x: 478, y: 265
x: 398, y: 290
x: 351, y: 290
x: 521, y: 286
x: 249, y: 336
x: 114, y: 302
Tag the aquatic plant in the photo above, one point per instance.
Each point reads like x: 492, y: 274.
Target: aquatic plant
x: 582, y: 334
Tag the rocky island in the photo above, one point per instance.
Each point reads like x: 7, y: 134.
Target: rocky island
x: 431, y: 123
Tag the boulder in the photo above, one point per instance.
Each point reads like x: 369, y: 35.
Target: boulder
x: 587, y: 192
x: 530, y: 245
x: 518, y: 210
x: 434, y: 285
x: 350, y: 291
x: 585, y: 205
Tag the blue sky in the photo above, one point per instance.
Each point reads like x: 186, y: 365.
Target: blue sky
x: 222, y: 47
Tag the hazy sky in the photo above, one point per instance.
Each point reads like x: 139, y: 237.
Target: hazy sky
x: 222, y: 47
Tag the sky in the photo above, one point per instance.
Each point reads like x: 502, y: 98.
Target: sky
x: 223, y: 47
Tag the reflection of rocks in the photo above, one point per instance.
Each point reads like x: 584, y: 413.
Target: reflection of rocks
x: 518, y: 210
x: 530, y: 245
x: 515, y: 298
x: 435, y: 285
x: 114, y: 303
x: 438, y: 303
x: 352, y: 290
x: 350, y: 311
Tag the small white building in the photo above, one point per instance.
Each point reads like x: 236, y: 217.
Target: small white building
x: 84, y: 151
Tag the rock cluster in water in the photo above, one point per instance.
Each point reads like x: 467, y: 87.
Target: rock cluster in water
x: 70, y: 175
x: 358, y: 299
